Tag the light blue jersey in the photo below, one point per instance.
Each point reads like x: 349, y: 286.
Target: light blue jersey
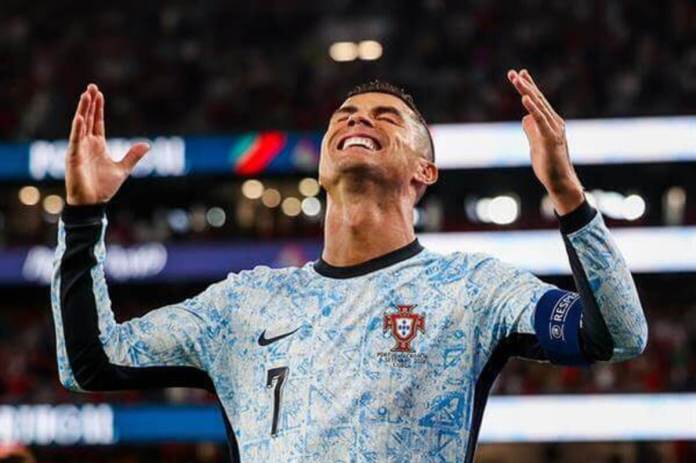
x: 387, y: 361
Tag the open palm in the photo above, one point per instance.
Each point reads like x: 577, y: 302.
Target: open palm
x: 91, y: 176
x: 546, y: 135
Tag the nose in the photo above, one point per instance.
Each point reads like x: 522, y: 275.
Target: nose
x: 359, y: 118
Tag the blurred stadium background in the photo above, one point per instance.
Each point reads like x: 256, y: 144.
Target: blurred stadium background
x: 234, y: 96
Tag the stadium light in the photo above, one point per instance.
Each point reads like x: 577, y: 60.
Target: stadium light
x: 500, y: 210
x: 29, y: 195
x: 617, y: 206
x: 611, y: 203
x: 369, y: 50
x: 252, y: 189
x: 178, y: 220
x: 271, y: 198
x: 503, y: 210
x: 481, y: 210
x: 216, y: 217
x: 674, y: 204
x: 53, y: 204
x: 311, y: 206
x: 291, y: 207
x: 197, y: 218
x: 343, y: 51
x: 633, y: 207
x: 308, y: 187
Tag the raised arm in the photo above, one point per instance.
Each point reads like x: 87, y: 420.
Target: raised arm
x: 604, y: 320
x: 170, y: 346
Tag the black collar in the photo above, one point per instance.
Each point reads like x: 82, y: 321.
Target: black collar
x: 324, y: 268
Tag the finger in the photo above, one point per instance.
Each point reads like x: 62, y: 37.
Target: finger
x: 539, y: 117
x: 134, y: 154
x: 92, y: 89
x: 529, y: 82
x: 76, y: 131
x: 538, y: 100
x: 83, y: 104
x: 517, y: 82
x: 77, y: 126
x: 99, y: 128
x: 526, y: 75
x: 524, y: 88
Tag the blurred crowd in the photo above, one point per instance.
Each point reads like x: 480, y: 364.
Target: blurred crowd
x: 211, y: 67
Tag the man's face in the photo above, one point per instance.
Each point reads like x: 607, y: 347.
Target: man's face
x: 372, y: 135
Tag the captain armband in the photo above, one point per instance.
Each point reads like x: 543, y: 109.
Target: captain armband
x: 557, y: 323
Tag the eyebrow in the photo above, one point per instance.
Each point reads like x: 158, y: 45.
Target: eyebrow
x: 346, y: 110
x: 388, y: 110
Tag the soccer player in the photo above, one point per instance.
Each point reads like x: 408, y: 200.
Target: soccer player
x: 379, y: 351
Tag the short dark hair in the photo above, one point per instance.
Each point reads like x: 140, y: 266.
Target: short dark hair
x: 378, y: 86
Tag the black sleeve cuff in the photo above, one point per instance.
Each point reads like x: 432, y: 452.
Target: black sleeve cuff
x: 83, y: 215
x: 578, y: 218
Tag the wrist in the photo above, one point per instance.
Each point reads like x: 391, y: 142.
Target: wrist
x: 83, y: 200
x: 89, y: 213
x: 74, y: 202
x: 576, y: 219
x: 566, y: 198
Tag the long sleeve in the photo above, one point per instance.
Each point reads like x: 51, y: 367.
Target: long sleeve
x: 613, y: 324
x: 169, y: 346
x: 602, y: 321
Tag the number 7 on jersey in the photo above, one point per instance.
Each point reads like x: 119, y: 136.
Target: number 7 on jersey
x: 279, y: 374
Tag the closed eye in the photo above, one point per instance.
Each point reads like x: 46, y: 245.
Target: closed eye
x: 391, y: 121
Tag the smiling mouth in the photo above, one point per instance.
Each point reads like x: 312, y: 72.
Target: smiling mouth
x: 367, y: 143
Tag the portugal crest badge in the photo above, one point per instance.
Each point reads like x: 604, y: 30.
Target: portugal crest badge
x: 404, y: 326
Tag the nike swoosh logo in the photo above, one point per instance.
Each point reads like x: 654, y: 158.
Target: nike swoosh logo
x: 264, y: 341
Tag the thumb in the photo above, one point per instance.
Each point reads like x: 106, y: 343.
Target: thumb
x: 527, y: 123
x: 529, y: 127
x: 134, y: 154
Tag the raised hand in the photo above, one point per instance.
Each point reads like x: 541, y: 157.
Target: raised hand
x: 91, y: 176
x: 545, y: 131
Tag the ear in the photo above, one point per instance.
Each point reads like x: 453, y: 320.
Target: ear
x: 426, y: 172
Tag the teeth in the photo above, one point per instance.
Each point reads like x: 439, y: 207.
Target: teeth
x: 360, y: 141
